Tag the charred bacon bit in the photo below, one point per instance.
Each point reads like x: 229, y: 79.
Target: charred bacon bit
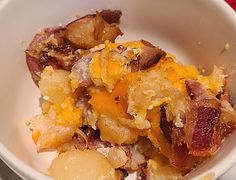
x: 91, y: 30
x: 165, y: 125
x: 149, y: 57
x: 94, y: 140
x: 202, y: 117
x: 121, y: 174
x: 111, y: 16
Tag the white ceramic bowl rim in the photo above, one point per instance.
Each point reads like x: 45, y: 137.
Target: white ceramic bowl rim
x: 14, y: 163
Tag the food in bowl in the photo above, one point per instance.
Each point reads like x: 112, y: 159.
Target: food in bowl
x: 111, y: 109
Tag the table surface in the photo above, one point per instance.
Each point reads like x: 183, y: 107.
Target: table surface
x: 7, y: 174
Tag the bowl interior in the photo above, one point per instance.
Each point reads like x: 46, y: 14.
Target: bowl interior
x: 195, y: 31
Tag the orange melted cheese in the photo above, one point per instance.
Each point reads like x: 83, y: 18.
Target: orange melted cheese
x: 113, y: 104
x: 66, y: 113
x: 108, y: 67
x: 176, y: 72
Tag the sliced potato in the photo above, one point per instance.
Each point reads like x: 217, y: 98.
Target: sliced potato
x: 81, y: 165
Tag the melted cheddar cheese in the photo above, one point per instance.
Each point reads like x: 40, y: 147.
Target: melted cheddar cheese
x: 65, y: 114
x: 108, y: 66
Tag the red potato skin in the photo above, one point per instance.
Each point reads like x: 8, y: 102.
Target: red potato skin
x: 91, y: 30
x: 62, y: 55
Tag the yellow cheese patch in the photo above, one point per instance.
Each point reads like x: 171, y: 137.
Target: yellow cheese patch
x: 66, y: 113
x: 176, y: 72
x: 107, y: 66
x: 215, y: 81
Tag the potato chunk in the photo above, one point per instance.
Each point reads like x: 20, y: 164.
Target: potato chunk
x: 55, y: 84
x: 90, y: 31
x: 80, y: 165
x: 114, y: 132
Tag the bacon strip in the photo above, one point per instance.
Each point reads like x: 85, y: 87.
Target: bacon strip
x: 202, y: 117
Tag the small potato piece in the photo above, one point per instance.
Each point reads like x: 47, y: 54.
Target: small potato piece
x: 112, y: 131
x: 90, y: 31
x: 81, y: 165
x: 55, y: 84
x: 117, y: 157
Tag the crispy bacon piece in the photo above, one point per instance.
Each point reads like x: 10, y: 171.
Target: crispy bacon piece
x: 202, y: 117
x: 149, y: 57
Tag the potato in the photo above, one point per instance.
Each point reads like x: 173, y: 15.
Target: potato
x: 55, y: 84
x: 81, y: 165
x: 90, y: 31
x: 114, y: 132
x: 117, y: 157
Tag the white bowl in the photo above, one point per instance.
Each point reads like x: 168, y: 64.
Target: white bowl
x: 195, y: 31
